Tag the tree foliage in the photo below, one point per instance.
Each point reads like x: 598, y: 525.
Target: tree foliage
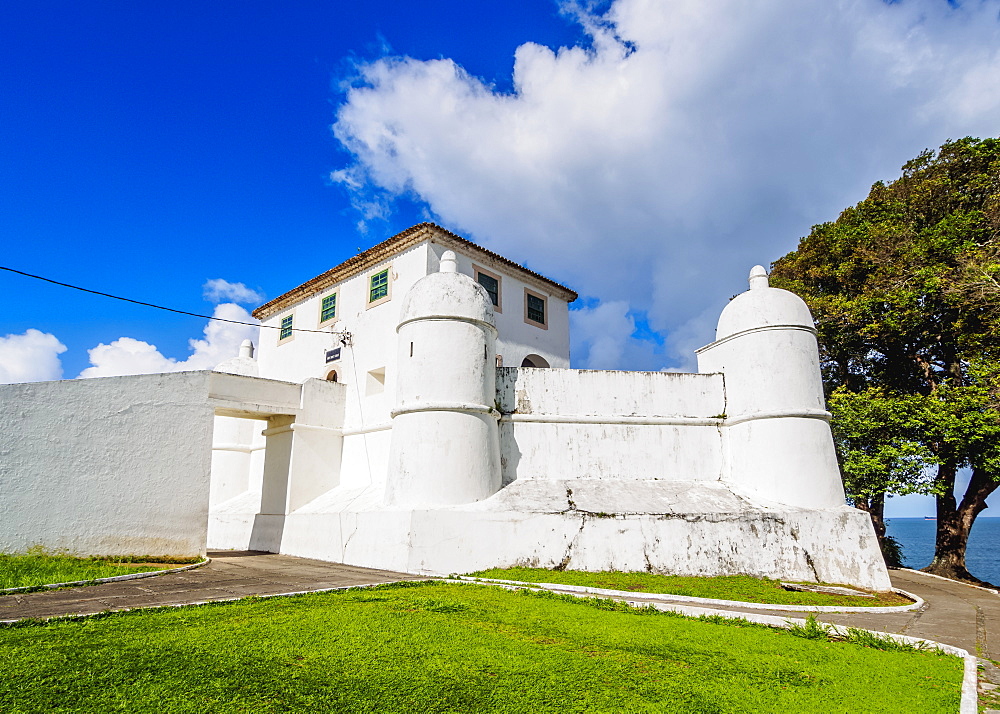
x: 905, y: 288
x: 879, y: 442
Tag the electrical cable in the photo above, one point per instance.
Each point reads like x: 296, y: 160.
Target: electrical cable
x: 161, y: 307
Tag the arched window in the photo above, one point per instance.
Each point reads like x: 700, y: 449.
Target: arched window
x: 534, y: 361
x: 332, y: 377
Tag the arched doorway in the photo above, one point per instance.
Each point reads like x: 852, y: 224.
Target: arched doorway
x: 534, y: 361
x: 332, y: 377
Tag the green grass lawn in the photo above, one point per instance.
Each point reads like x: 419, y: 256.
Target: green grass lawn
x: 41, y: 568
x: 437, y: 647
x: 727, y: 587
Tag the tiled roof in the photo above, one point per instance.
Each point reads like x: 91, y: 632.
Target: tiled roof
x: 391, y: 246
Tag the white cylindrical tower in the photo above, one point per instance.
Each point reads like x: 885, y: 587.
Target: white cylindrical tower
x: 777, y: 432
x: 445, y: 441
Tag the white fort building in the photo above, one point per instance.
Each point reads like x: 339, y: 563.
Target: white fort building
x: 413, y: 409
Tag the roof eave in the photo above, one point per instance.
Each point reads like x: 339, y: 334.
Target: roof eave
x: 387, y: 248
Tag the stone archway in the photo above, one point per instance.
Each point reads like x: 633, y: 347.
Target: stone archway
x: 534, y: 361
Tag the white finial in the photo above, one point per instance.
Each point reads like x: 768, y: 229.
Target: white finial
x: 758, y: 278
x: 449, y: 264
x: 246, y: 349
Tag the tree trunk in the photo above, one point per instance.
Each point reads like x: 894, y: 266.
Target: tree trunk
x: 954, y: 522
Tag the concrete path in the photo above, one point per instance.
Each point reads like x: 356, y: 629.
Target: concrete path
x: 230, y: 575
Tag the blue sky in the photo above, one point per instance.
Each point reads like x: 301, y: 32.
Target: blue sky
x: 148, y: 147
x: 645, y: 153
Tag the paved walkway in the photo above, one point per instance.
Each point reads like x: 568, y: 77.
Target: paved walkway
x: 231, y: 574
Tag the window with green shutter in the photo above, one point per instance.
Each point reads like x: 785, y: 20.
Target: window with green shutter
x: 286, y: 328
x: 492, y: 286
x: 536, y: 309
x: 328, y: 308
x: 378, y: 286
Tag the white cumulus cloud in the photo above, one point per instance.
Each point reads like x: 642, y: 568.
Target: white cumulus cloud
x: 604, y: 337
x: 30, y: 357
x: 221, y: 341
x: 218, y: 290
x: 688, y: 141
x: 603, y: 332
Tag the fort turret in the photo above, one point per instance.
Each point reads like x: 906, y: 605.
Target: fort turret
x: 777, y: 438
x: 445, y: 442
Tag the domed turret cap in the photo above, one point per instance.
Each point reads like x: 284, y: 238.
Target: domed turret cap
x: 448, y: 294
x: 244, y: 364
x: 762, y: 306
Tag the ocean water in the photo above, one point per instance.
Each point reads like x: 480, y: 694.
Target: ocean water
x: 917, y: 538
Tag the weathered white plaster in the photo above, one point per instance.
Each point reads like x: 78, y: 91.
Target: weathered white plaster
x: 831, y: 545
x: 575, y: 392
x: 610, y: 425
x: 109, y: 466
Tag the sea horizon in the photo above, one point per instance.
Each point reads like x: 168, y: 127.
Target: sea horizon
x: 915, y: 534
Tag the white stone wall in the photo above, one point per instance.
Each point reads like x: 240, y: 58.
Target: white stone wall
x: 109, y: 466
x: 234, y: 443
x: 566, y: 424
x: 276, y: 460
x: 445, y: 442
x: 830, y: 545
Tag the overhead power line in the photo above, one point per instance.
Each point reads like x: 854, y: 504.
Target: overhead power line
x: 158, y: 307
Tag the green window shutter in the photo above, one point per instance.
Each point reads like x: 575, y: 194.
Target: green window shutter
x: 536, y: 309
x: 492, y: 286
x: 328, y: 310
x: 379, y: 286
x: 286, y: 328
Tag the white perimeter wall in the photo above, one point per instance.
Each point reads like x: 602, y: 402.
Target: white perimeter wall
x: 110, y: 466
x: 564, y: 424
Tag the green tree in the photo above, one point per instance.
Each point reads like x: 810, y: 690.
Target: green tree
x: 905, y: 288
x: 879, y: 446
